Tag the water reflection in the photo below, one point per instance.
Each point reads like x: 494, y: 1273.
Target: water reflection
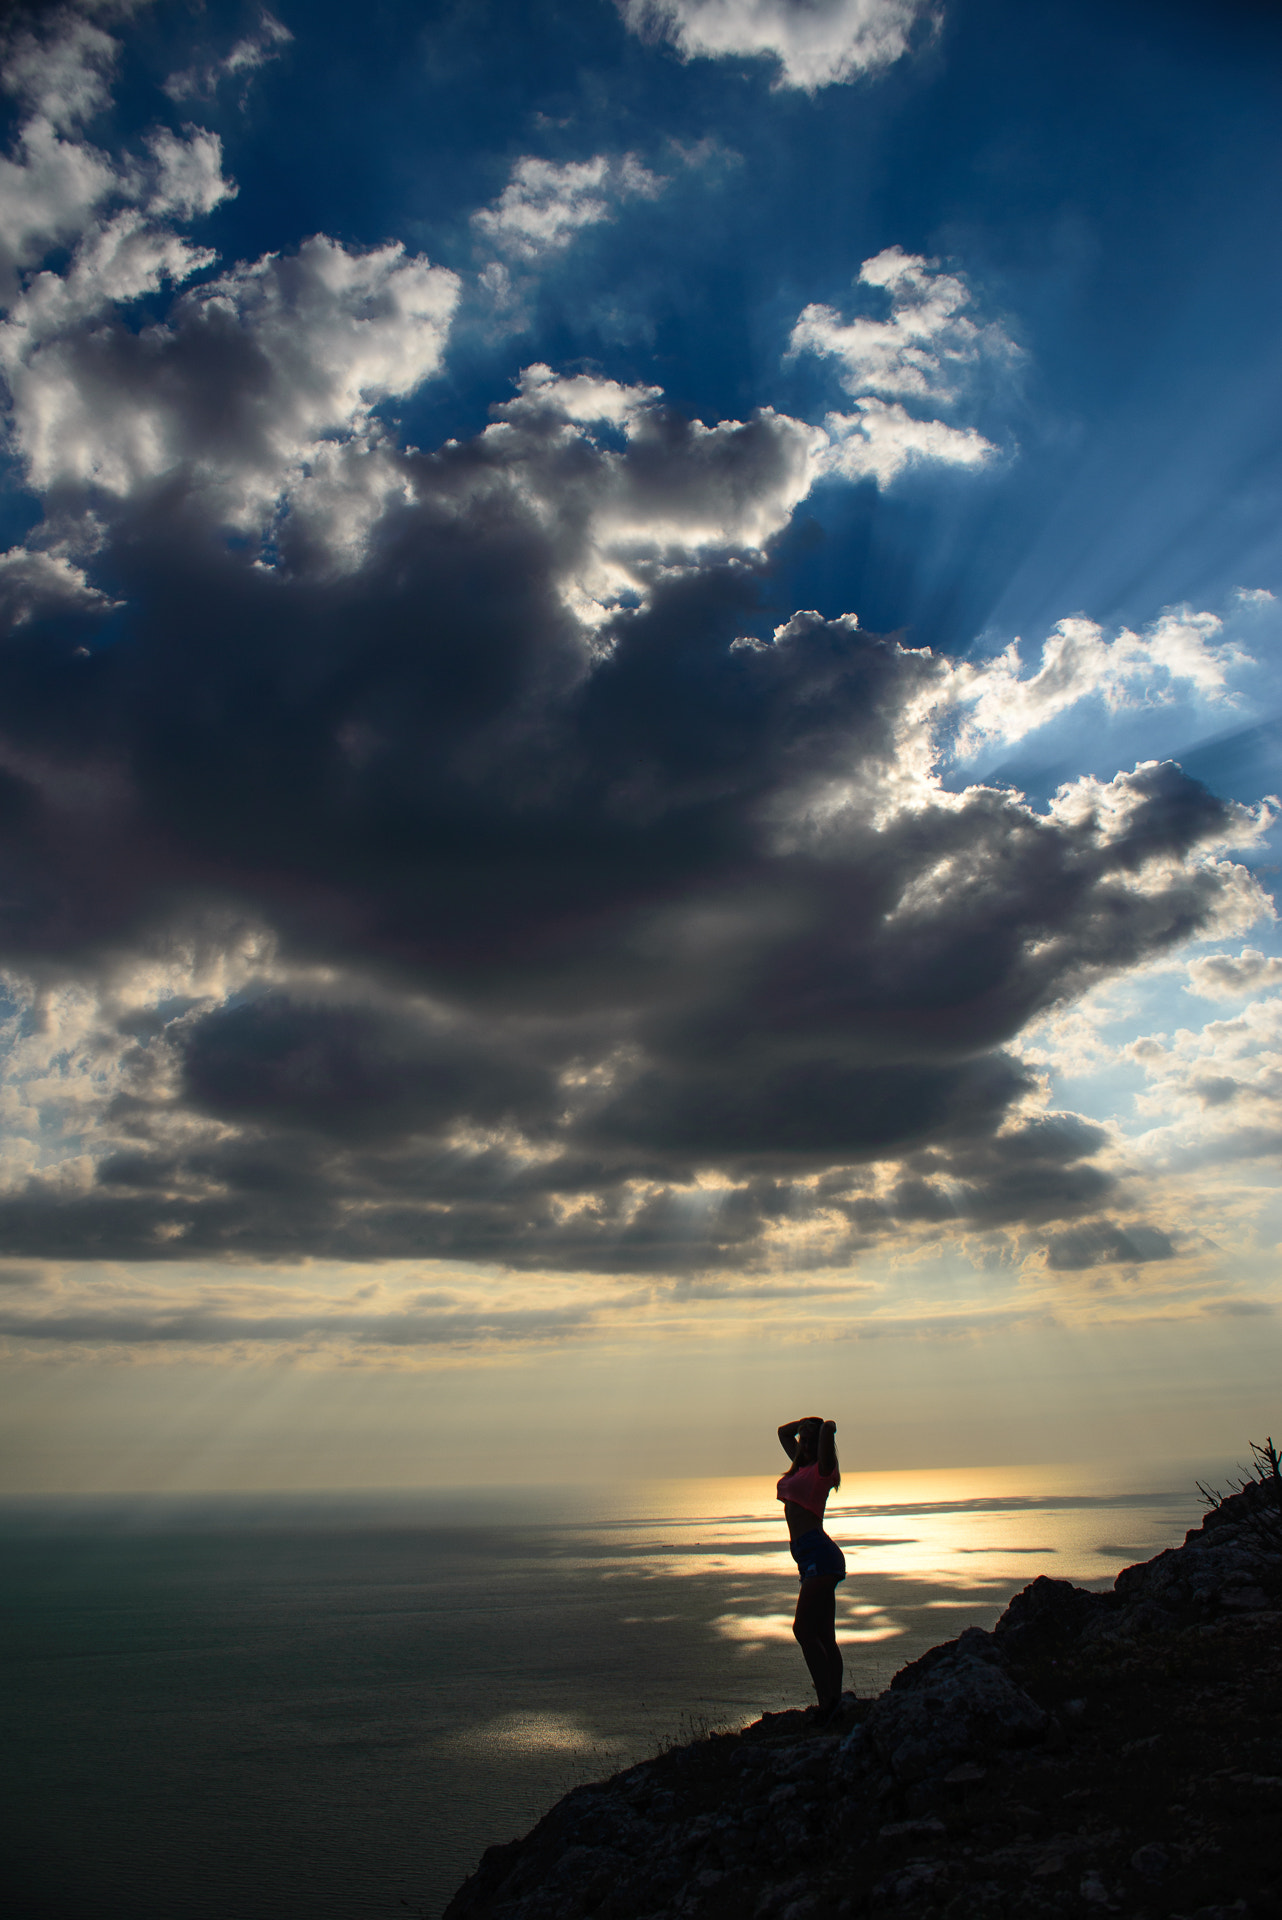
x: 518, y: 1736
x: 917, y: 1544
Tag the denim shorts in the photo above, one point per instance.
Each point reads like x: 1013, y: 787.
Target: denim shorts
x: 816, y: 1555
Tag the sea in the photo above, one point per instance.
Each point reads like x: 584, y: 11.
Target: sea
x: 315, y: 1707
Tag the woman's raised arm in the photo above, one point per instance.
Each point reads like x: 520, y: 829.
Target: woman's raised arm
x: 828, y: 1447
x: 788, y: 1438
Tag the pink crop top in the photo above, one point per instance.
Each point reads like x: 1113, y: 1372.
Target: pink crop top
x: 808, y: 1488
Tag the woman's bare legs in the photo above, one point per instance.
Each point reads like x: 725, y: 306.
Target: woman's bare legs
x: 815, y: 1631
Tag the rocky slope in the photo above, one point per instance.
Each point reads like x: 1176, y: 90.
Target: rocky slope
x: 1096, y: 1753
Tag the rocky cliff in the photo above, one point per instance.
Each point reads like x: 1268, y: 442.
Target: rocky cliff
x: 1095, y: 1753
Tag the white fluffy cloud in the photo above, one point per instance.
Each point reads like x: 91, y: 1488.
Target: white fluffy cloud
x: 1182, y: 648
x: 1225, y: 976
x: 47, y: 191
x: 544, y: 205
x: 61, y: 73
x: 880, y: 438
x: 1215, y: 1091
x: 817, y: 43
x: 189, y: 174
x: 923, y: 350
x: 53, y: 179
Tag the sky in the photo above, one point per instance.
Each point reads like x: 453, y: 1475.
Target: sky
x: 640, y: 726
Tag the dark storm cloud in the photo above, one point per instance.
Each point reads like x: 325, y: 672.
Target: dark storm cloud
x: 351, y: 1072
x: 654, y: 946
x: 1035, y: 1171
x: 1096, y: 1243
x: 811, y: 1108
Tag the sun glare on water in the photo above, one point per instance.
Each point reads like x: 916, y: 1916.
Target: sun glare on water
x: 917, y: 1543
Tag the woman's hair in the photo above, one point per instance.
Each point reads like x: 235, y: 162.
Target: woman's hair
x: 813, y: 1420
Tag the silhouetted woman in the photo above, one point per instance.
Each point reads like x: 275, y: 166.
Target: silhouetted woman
x: 811, y: 1445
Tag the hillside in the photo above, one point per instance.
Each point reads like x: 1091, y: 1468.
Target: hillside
x: 1116, y: 1752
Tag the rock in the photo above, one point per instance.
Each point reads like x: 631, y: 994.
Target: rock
x: 960, y: 1704
x: 1152, y: 1861
x: 1048, y: 1613
x: 581, y: 1877
x: 1051, y: 1859
x: 783, y: 1895
x: 912, y: 1830
x: 908, y: 1882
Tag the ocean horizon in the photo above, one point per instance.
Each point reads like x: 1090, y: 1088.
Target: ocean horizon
x: 328, y: 1705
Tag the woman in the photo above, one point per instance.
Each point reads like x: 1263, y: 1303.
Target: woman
x: 811, y: 1446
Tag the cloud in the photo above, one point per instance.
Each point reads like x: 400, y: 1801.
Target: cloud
x: 651, y: 1008
x: 190, y: 178
x: 1037, y: 1167
x: 1180, y: 649
x: 545, y: 205
x: 1097, y: 1243
x: 1214, y: 1092
x: 46, y: 193
x: 881, y: 438
x: 50, y: 184
x: 247, y: 57
x: 187, y: 1326
x: 675, y: 488
x: 258, y: 394
x: 1205, y: 1116
x: 1219, y: 976
x: 926, y: 349
x: 815, y: 45
x: 356, y: 1073
x: 117, y: 217
x: 21, y: 1279
x: 59, y: 64
x: 37, y: 585
x: 253, y: 373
